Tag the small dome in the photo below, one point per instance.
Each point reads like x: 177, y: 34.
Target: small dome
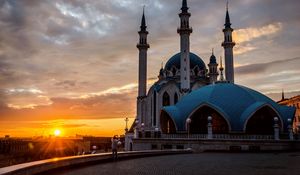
x: 234, y: 102
x: 213, y: 59
x: 194, y: 61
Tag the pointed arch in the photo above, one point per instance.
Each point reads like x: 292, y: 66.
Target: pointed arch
x: 261, y: 121
x: 199, y: 120
x: 167, y: 124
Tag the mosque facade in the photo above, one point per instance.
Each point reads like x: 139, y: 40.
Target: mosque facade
x: 193, y: 100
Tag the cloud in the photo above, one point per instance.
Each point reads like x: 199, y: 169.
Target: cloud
x: 283, y: 65
x: 244, y: 35
x: 245, y: 38
x: 271, y: 77
x: 81, y: 57
x: 66, y: 83
x: 108, y: 104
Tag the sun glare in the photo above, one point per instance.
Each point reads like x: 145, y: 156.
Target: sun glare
x: 57, y: 132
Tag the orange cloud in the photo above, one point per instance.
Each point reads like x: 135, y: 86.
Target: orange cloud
x: 244, y: 35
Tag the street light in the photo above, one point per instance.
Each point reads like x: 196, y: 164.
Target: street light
x: 276, y: 128
x: 188, y: 121
x: 126, y: 127
x: 156, y: 132
x: 143, y: 129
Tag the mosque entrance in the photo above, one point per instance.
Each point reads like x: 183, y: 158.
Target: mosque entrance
x: 262, y: 122
x: 199, y: 121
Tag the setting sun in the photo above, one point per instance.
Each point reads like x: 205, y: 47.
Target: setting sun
x: 57, y: 132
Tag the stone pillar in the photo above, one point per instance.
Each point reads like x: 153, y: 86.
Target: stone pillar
x: 276, y: 129
x: 209, y: 128
x: 290, y: 129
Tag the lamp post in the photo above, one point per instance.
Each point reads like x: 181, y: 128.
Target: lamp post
x: 188, y: 122
x: 276, y: 128
x: 290, y: 129
x: 143, y: 129
x: 156, y: 132
x: 126, y: 127
x: 209, y: 128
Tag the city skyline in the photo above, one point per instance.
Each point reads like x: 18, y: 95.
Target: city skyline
x: 73, y: 64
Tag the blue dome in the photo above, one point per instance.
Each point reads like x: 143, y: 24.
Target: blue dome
x: 194, y: 61
x: 234, y: 102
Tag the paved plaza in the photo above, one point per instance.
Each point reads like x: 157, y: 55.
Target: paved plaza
x: 202, y: 163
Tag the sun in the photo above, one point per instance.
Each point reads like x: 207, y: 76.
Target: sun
x: 57, y: 132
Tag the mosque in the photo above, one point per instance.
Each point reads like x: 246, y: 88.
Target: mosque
x: 193, y: 102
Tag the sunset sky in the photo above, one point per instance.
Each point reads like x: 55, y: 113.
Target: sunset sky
x: 72, y: 64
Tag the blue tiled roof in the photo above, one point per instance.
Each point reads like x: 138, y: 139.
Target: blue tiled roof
x: 236, y: 103
x: 194, y: 60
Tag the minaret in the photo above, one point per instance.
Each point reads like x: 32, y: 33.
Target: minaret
x: 184, y: 31
x: 228, y: 45
x: 143, y: 47
x: 213, y: 68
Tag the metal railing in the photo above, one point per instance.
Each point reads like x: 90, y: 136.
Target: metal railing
x: 219, y: 136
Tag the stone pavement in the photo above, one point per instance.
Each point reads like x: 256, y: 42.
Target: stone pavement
x: 202, y: 163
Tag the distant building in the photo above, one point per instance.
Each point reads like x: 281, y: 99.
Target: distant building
x: 191, y: 101
x: 293, y: 102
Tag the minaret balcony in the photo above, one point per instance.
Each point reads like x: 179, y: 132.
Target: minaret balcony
x: 184, y: 14
x: 143, y: 46
x: 184, y: 30
x: 228, y: 44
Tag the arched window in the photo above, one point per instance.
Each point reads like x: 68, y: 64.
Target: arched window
x: 166, y: 99
x: 174, y: 71
x: 175, y: 98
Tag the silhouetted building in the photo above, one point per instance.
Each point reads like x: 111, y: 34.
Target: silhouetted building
x: 293, y: 102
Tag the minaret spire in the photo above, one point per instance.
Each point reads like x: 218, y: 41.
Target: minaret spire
x: 227, y: 18
x: 221, y: 70
x: 228, y: 45
x: 143, y: 23
x: 142, y: 86
x: 184, y: 7
x: 184, y: 31
x: 282, y: 95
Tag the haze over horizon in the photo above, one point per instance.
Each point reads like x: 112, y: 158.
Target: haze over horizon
x: 72, y: 64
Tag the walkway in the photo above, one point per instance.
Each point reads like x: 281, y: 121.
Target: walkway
x: 202, y: 163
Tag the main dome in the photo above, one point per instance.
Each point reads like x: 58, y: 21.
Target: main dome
x: 234, y: 102
x: 194, y: 61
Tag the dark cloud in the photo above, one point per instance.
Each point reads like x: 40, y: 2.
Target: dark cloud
x: 287, y: 64
x: 66, y: 83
